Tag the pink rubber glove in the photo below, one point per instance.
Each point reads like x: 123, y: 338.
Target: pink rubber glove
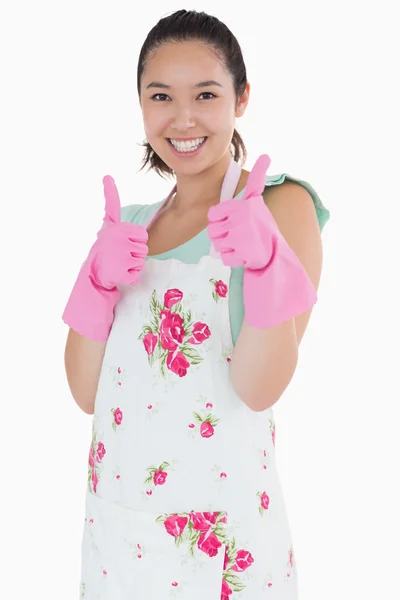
x: 116, y: 258
x: 276, y: 286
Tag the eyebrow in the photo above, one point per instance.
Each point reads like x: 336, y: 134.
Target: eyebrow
x: 164, y: 86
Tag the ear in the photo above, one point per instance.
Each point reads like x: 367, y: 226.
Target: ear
x: 243, y: 102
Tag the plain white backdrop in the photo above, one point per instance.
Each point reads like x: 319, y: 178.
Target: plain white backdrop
x: 324, y: 105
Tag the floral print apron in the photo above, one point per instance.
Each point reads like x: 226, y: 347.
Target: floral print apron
x: 183, y: 497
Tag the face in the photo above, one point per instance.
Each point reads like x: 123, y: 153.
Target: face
x: 189, y: 106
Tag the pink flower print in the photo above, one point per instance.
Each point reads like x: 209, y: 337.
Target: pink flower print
x: 272, y: 429
x: 118, y: 416
x: 200, y: 530
x: 264, y: 500
x: 104, y: 572
x: 206, y: 429
x: 95, y: 480
x: 156, y: 475
x: 166, y: 336
x: 100, y: 451
x: 226, y: 590
x: 159, y: 477
x: 174, y: 524
x: 177, y: 363
x: 209, y: 543
x: 207, y: 422
x: 149, y: 492
x: 172, y: 297
x: 171, y: 330
x: 223, y: 475
x: 200, y: 333
x: 191, y: 425
x: 150, y: 342
x: 243, y: 561
x: 226, y: 559
x: 221, y: 288
x: 203, y: 521
x: 174, y: 583
x: 150, y: 406
x: 96, y: 454
x: 291, y: 557
x: 91, y: 456
x: 209, y: 405
x: 229, y: 359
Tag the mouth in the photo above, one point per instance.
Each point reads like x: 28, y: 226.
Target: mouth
x: 187, y: 148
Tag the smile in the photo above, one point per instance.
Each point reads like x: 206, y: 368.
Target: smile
x: 187, y: 146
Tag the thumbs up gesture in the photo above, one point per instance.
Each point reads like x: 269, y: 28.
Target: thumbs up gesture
x: 116, y: 258
x: 276, y: 287
x: 241, y: 230
x: 119, y: 253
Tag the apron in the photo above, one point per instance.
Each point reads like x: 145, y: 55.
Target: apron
x: 183, y: 496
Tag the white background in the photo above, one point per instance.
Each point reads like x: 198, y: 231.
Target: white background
x: 325, y: 108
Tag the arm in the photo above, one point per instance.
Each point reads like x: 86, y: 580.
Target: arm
x: 83, y: 360
x: 264, y: 360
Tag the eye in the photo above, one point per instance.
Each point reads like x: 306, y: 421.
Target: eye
x: 208, y: 94
x: 163, y: 97
x: 160, y: 98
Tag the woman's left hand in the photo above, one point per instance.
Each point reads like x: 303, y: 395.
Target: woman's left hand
x: 244, y: 231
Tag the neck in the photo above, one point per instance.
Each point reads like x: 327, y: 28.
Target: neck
x: 202, y: 190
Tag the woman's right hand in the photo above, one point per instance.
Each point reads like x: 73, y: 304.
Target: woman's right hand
x: 118, y: 255
x: 116, y: 258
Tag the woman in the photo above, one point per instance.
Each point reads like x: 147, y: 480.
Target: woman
x: 185, y: 323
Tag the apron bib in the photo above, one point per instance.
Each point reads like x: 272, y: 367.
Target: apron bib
x: 183, y: 495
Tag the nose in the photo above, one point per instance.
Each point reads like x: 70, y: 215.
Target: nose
x: 182, y: 119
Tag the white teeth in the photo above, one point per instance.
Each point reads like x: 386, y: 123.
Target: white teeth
x: 187, y: 146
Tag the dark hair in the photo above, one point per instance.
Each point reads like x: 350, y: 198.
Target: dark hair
x: 190, y: 25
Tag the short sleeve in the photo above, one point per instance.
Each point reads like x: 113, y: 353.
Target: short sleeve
x: 323, y: 214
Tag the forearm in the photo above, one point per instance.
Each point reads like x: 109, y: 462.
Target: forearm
x: 263, y: 363
x: 83, y: 361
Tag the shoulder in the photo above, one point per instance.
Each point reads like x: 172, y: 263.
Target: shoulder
x: 139, y: 214
x: 284, y: 193
x: 294, y: 194
x: 293, y: 210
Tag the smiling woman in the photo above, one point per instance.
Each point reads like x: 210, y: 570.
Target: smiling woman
x: 200, y: 76
x: 189, y: 109
x: 198, y: 304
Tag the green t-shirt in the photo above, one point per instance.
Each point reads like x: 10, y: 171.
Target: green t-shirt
x: 199, y: 246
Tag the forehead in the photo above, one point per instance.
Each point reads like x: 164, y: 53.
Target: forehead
x: 184, y: 63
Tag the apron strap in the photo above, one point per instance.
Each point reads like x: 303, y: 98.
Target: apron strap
x: 151, y: 218
x: 228, y: 190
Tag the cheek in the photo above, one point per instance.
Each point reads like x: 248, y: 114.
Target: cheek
x: 154, y: 120
x: 221, y: 118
